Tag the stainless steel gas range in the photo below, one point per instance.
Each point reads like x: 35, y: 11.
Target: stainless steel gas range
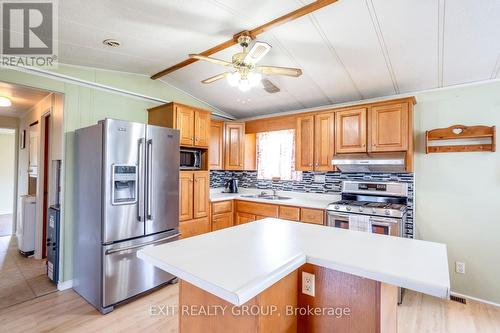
x: 380, y: 206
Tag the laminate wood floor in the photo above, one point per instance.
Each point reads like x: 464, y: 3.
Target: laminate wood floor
x: 66, y: 311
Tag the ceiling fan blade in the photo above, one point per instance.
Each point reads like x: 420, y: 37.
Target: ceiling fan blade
x: 215, y: 78
x: 210, y: 59
x: 273, y: 70
x: 257, y: 52
x: 269, y: 86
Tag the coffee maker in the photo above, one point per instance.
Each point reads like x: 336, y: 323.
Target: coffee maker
x: 232, y: 186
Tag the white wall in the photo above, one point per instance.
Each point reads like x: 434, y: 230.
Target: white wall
x: 7, y: 151
x: 458, y: 194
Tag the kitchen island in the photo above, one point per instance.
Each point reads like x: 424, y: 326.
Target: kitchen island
x: 248, y: 278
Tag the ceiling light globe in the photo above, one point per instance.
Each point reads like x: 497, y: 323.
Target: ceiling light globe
x: 244, y: 85
x: 254, y: 79
x: 5, y: 102
x: 233, y: 79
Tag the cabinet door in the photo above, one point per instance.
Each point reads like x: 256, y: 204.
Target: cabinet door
x: 324, y: 141
x: 234, y: 145
x: 215, y: 147
x: 389, y: 127
x: 194, y: 227
x: 350, y: 131
x: 242, y: 218
x: 185, y: 124
x: 304, y: 143
x: 201, y: 128
x: 200, y: 194
x: 222, y: 221
x: 185, y: 196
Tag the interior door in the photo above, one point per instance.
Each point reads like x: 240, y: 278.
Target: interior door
x: 304, y: 144
x: 162, y: 179
x: 123, y: 216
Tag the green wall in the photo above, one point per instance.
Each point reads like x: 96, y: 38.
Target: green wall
x: 458, y: 194
x: 85, y: 106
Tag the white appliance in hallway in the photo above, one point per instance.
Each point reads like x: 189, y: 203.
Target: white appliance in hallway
x: 127, y: 195
x: 26, y: 226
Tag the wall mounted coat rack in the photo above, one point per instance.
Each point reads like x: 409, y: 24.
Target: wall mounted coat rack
x: 457, y: 132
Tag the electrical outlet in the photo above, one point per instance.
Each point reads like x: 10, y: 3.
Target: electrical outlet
x: 460, y: 267
x: 308, y: 284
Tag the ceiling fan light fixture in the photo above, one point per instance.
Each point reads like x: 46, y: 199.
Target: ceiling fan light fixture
x: 233, y: 79
x: 244, y: 85
x: 254, y: 78
x: 5, y: 102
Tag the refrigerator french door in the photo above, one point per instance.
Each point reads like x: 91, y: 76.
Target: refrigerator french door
x: 127, y: 195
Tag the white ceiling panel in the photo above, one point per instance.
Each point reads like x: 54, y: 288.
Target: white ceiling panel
x: 350, y: 30
x: 471, y: 40
x: 348, y: 51
x: 412, y: 42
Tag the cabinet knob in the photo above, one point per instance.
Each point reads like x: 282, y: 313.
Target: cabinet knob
x: 310, y: 164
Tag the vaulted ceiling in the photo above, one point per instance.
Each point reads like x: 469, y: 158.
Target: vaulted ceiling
x: 350, y: 50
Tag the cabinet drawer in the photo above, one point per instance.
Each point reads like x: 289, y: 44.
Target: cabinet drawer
x: 290, y: 213
x: 254, y: 208
x: 221, y: 221
x: 309, y: 215
x: 222, y: 207
x: 194, y: 227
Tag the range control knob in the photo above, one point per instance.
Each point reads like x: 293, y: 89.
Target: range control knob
x: 336, y: 207
x: 360, y: 209
x: 374, y: 211
x: 387, y: 212
x: 348, y: 208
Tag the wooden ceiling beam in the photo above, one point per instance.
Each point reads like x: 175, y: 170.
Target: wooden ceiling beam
x: 307, y: 9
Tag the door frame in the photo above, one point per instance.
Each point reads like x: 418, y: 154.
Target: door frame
x: 16, y: 163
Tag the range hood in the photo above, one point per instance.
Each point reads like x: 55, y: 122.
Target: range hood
x: 377, y: 162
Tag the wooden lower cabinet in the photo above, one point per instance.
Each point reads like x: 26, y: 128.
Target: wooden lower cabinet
x: 222, y: 221
x: 201, y: 189
x: 242, y: 218
x: 309, y: 215
x: 194, y: 227
x: 289, y: 213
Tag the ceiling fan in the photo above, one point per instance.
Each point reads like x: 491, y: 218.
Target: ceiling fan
x: 244, y: 72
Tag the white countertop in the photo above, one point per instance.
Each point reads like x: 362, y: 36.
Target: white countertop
x: 238, y: 263
x: 299, y: 199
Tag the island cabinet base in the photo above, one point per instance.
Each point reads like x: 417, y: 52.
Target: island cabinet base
x: 342, y: 303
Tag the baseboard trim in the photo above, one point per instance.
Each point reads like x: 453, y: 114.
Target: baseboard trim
x: 65, y: 285
x: 475, y: 299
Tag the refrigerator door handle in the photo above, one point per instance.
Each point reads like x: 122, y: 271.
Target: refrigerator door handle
x: 149, y: 179
x: 133, y: 247
x: 140, y: 160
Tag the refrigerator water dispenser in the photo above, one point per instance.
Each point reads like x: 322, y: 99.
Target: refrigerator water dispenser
x: 124, y: 184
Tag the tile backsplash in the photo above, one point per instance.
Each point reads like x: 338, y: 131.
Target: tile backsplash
x: 332, y: 184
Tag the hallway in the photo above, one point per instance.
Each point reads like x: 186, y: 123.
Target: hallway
x: 21, y: 278
x: 5, y: 224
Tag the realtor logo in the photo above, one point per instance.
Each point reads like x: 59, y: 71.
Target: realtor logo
x: 29, y: 33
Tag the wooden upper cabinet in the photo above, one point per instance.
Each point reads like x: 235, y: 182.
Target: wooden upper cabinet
x: 216, y: 146
x: 304, y: 143
x: 185, y: 196
x: 234, y: 147
x: 200, y: 194
x: 185, y: 124
x: 250, y: 162
x: 193, y: 123
x: 201, y: 128
x: 389, y: 127
x: 350, y: 131
x: 324, y: 141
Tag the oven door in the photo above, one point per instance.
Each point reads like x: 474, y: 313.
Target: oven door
x: 380, y: 225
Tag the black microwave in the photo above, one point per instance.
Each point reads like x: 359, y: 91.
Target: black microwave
x: 190, y: 159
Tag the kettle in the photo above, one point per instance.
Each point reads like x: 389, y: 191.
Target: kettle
x: 232, y: 186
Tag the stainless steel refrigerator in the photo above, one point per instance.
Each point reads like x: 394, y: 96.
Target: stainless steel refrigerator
x: 127, y: 198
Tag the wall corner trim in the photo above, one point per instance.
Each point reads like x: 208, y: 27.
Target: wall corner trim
x: 64, y: 285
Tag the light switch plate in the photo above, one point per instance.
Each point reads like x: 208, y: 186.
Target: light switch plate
x: 319, y: 178
x: 308, y: 285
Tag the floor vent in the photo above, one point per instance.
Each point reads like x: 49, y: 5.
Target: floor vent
x: 458, y: 299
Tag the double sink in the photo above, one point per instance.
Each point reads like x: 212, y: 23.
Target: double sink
x: 266, y: 196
